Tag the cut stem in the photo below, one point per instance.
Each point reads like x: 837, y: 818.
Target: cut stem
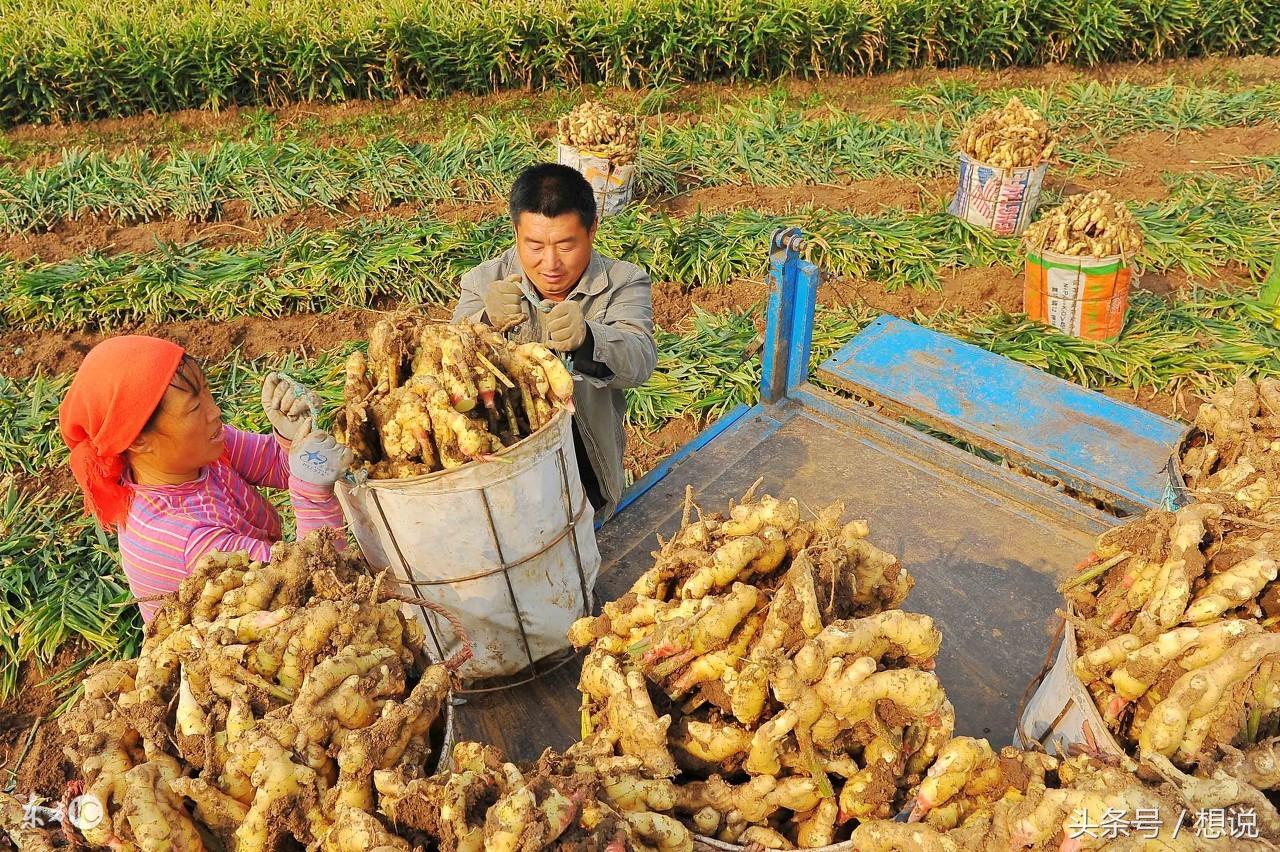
x: 1096, y: 571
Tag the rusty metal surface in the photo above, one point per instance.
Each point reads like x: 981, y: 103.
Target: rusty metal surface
x: 985, y: 546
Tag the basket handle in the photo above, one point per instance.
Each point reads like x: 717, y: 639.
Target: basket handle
x: 463, y: 654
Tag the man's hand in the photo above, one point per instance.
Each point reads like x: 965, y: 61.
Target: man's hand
x: 566, y: 329
x: 285, y: 408
x: 316, y: 457
x: 502, y: 300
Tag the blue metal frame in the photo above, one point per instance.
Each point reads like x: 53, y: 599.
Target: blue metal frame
x: 1101, y: 447
x: 788, y: 341
x: 793, y: 297
x: 706, y: 436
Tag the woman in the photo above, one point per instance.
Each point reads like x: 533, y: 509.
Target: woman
x: 155, y: 461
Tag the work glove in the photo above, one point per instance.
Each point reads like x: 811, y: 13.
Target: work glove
x: 566, y: 328
x: 286, y: 406
x: 502, y: 300
x: 316, y: 457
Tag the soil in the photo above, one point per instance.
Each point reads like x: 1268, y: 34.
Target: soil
x: 22, y: 353
x: 970, y: 288
x: 646, y: 450
x: 862, y: 197
x: 427, y: 118
x: 235, y: 226
x: 43, y: 770
x: 1150, y: 155
x: 672, y: 303
x: 1181, y: 406
x: 1175, y: 282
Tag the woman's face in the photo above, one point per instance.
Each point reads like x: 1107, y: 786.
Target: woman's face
x: 186, y: 432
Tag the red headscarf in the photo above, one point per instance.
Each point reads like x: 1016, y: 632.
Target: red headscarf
x: 113, y: 395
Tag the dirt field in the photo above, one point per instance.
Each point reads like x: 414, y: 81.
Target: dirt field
x: 25, y: 724
x: 416, y: 119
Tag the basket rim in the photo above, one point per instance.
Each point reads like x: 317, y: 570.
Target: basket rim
x: 1078, y: 259
x: 471, y: 465
x: 1042, y: 164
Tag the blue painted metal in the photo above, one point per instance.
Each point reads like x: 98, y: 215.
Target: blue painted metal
x: 1105, y: 448
x: 862, y: 424
x: 786, y: 323
x: 706, y: 436
x: 793, y: 294
x: 804, y: 307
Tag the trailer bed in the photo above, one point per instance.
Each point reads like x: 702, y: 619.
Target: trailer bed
x: 986, y: 547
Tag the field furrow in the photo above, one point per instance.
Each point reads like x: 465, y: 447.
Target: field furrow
x: 759, y: 144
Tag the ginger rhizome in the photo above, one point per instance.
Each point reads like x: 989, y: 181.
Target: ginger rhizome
x: 432, y: 396
x: 1174, y: 621
x: 976, y: 799
x: 1233, y: 455
x: 1090, y: 224
x: 1008, y: 137
x: 599, y: 131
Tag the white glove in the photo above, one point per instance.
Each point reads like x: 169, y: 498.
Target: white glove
x: 285, y: 407
x: 316, y: 457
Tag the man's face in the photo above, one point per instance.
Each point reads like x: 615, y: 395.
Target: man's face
x: 554, y: 251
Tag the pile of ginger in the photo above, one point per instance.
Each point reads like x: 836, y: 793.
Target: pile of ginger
x: 761, y: 666
x: 976, y: 799
x: 263, y: 700
x: 433, y: 396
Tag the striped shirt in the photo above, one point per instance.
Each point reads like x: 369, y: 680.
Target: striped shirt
x: 169, y: 527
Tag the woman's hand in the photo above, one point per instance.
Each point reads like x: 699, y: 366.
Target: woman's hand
x: 316, y: 457
x: 286, y: 408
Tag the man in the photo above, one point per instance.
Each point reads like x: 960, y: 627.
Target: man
x: 595, y: 310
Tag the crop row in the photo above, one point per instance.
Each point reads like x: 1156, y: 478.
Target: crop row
x: 1206, y: 222
x: 73, y: 59
x: 759, y: 145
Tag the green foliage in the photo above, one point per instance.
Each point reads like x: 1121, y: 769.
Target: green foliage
x: 59, y: 580
x: 1206, y: 222
x: 760, y: 143
x: 69, y: 59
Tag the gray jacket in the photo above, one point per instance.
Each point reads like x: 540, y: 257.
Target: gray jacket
x: 617, y: 303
